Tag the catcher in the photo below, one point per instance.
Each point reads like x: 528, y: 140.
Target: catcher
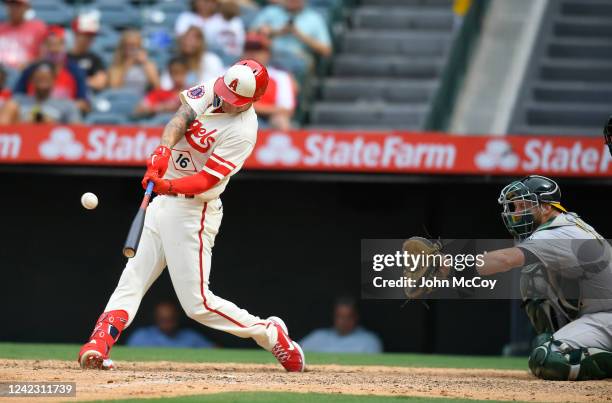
x: 566, y: 280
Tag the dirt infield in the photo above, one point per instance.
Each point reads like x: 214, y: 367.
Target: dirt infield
x: 157, y: 379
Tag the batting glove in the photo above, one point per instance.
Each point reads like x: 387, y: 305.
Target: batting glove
x: 158, y: 161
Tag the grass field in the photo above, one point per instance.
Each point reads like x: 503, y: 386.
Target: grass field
x: 67, y: 352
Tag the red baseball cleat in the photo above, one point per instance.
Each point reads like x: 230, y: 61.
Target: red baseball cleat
x: 95, y: 353
x: 91, y: 356
x: 287, y: 351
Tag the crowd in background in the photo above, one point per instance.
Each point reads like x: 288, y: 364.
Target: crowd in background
x: 346, y: 335
x: 60, y: 75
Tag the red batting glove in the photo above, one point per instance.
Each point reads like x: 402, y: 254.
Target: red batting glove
x: 148, y: 176
x: 158, y: 161
x: 157, y: 164
x: 162, y: 186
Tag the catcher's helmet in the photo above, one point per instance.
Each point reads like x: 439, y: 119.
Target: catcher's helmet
x: 520, y: 198
x: 244, y: 82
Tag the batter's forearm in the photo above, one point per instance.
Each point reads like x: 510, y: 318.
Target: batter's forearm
x: 176, y: 127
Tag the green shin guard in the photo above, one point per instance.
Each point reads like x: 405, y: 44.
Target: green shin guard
x: 557, y: 361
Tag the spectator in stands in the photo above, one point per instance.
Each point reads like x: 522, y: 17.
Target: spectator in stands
x: 277, y: 105
x: 131, y: 68
x: 203, y: 65
x: 20, y: 39
x: 5, y: 93
x: 85, y: 28
x: 224, y: 31
x: 41, y: 106
x: 165, y: 101
x: 199, y: 16
x: 70, y: 81
x: 166, y: 331
x: 298, y: 33
x: 346, y: 336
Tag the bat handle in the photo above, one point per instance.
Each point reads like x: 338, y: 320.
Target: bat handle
x: 149, y: 189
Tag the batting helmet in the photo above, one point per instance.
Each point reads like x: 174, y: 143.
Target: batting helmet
x: 244, y: 82
x: 520, y: 198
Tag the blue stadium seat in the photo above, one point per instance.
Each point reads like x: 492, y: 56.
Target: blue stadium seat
x: 164, y: 14
x: 173, y: 6
x: 54, y: 15
x: 105, y: 118
x: 46, y: 3
x: 116, y: 101
x: 118, y: 14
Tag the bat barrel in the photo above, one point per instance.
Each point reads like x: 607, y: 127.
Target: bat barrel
x: 133, y: 239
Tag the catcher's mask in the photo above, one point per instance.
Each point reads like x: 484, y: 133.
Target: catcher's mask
x: 521, y: 199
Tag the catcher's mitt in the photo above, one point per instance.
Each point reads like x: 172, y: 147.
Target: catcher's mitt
x: 425, y: 267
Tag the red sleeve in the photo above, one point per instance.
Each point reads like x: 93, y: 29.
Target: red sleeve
x: 193, y: 184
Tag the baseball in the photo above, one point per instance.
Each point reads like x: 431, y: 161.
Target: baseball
x: 89, y: 201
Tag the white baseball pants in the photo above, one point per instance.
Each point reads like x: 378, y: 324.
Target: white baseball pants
x: 180, y: 233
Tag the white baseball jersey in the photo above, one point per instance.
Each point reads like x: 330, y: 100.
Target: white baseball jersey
x: 216, y: 142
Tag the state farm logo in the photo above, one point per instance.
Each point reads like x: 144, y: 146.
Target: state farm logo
x: 61, y: 144
x: 497, y: 154
x: 98, y: 144
x: 279, y: 150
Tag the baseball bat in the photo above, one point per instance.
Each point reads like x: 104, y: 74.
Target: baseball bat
x: 133, y: 239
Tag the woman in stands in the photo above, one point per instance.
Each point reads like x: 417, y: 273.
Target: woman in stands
x: 131, y: 68
x: 203, y: 65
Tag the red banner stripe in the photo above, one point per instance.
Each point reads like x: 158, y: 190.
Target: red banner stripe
x: 324, y: 151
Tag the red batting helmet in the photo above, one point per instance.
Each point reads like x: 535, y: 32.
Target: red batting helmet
x: 244, y: 82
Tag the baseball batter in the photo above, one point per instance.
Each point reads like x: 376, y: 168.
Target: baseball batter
x: 203, y: 145
x: 566, y: 281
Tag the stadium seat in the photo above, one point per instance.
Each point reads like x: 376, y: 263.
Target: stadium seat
x: 117, y: 101
x: 402, y: 18
x: 53, y: 12
x: 368, y: 115
x: 118, y: 14
x: 368, y: 42
x: 389, y: 90
x: 105, y: 118
x: 387, y: 66
x: 568, y: 86
x: 164, y: 14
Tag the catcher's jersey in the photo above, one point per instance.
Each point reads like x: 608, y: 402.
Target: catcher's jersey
x: 216, y: 142
x: 573, y: 250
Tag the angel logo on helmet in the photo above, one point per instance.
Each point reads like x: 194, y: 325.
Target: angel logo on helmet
x: 521, y: 202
